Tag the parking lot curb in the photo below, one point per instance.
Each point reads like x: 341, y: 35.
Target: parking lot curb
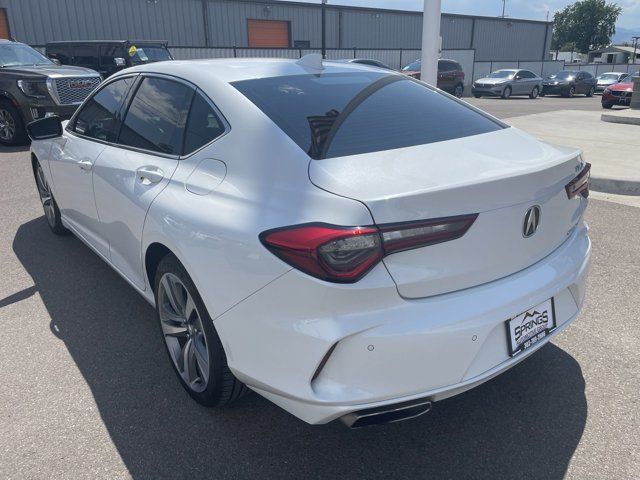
x: 627, y: 117
x: 615, y: 186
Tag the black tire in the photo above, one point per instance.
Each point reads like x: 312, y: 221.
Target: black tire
x: 458, y: 90
x: 222, y: 387
x: 476, y: 95
x: 12, y: 130
x: 49, y: 204
x: 506, y: 93
x: 590, y: 92
x: 570, y: 92
x: 534, y: 93
x: 607, y: 106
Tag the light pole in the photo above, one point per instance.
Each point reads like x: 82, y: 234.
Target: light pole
x: 324, y: 21
x: 430, y: 41
x: 635, y: 47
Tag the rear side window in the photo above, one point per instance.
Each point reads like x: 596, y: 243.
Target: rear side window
x: 338, y: 114
x: 203, y: 125
x: 98, y: 118
x: 157, y: 116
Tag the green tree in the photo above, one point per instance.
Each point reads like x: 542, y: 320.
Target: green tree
x: 589, y: 24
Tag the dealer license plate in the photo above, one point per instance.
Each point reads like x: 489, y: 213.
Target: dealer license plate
x: 530, y: 327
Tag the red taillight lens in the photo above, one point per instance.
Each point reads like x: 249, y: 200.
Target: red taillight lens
x: 337, y: 254
x: 346, y: 254
x: 580, y: 184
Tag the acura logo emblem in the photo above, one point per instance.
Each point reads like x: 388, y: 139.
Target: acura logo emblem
x: 531, y: 221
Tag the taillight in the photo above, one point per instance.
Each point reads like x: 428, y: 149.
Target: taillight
x: 346, y: 254
x: 580, y: 184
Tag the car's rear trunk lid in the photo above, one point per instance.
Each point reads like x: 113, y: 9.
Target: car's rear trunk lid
x: 499, y: 175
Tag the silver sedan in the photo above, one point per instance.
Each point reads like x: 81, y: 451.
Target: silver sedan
x: 507, y: 82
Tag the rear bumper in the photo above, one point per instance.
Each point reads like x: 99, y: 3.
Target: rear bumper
x: 321, y: 352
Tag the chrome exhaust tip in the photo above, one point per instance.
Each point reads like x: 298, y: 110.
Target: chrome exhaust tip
x: 387, y: 414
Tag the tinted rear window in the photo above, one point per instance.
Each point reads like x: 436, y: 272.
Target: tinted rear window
x: 338, y: 114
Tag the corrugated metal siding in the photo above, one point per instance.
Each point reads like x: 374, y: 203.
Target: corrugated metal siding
x: 508, y: 40
x: 37, y: 21
x: 455, y: 32
x: 181, y: 22
x: 380, y: 30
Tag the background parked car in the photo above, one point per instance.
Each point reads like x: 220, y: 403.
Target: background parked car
x: 569, y: 83
x: 366, y: 61
x: 507, y: 82
x: 33, y: 87
x: 610, y: 78
x: 619, y: 93
x: 108, y: 56
x: 450, y: 75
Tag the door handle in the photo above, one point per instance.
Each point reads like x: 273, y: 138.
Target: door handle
x: 85, y: 164
x: 149, y: 175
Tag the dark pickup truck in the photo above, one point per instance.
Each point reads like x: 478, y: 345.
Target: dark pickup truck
x: 108, y: 56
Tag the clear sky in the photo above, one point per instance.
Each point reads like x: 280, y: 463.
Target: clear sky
x: 531, y: 9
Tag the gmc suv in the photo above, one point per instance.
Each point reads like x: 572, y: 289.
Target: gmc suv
x: 33, y: 87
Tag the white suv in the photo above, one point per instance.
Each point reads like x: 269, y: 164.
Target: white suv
x: 346, y: 241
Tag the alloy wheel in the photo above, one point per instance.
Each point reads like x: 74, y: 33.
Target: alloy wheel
x: 534, y: 93
x: 572, y: 92
x: 45, y: 196
x: 183, y: 332
x: 458, y: 91
x: 7, y: 125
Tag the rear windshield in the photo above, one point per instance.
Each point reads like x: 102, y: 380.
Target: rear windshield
x: 339, y: 114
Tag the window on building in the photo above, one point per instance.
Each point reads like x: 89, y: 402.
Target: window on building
x: 268, y: 33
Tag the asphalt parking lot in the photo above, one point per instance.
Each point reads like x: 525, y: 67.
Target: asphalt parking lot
x: 87, y: 391
x: 517, y: 106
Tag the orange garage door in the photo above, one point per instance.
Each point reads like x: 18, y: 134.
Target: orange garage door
x: 4, y: 24
x: 268, y: 33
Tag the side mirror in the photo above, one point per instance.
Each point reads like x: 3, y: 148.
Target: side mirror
x: 120, y: 62
x: 518, y: 77
x: 56, y: 61
x: 45, y: 128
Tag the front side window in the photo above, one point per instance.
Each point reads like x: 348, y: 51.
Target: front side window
x: 157, y: 116
x: 338, y: 114
x: 61, y: 54
x: 86, y: 56
x: 203, y: 125
x: 98, y: 118
x: 108, y: 54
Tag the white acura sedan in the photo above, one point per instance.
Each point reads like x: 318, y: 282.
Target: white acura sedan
x: 346, y: 241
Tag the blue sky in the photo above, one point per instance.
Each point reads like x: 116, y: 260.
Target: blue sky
x: 531, y: 9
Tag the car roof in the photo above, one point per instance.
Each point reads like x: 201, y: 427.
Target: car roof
x: 141, y: 42
x: 229, y: 70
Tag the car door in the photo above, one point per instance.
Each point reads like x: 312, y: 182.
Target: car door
x: 444, y: 76
x: 132, y: 172
x: 73, y: 157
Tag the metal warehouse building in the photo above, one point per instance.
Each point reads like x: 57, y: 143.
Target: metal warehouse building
x: 265, y: 23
